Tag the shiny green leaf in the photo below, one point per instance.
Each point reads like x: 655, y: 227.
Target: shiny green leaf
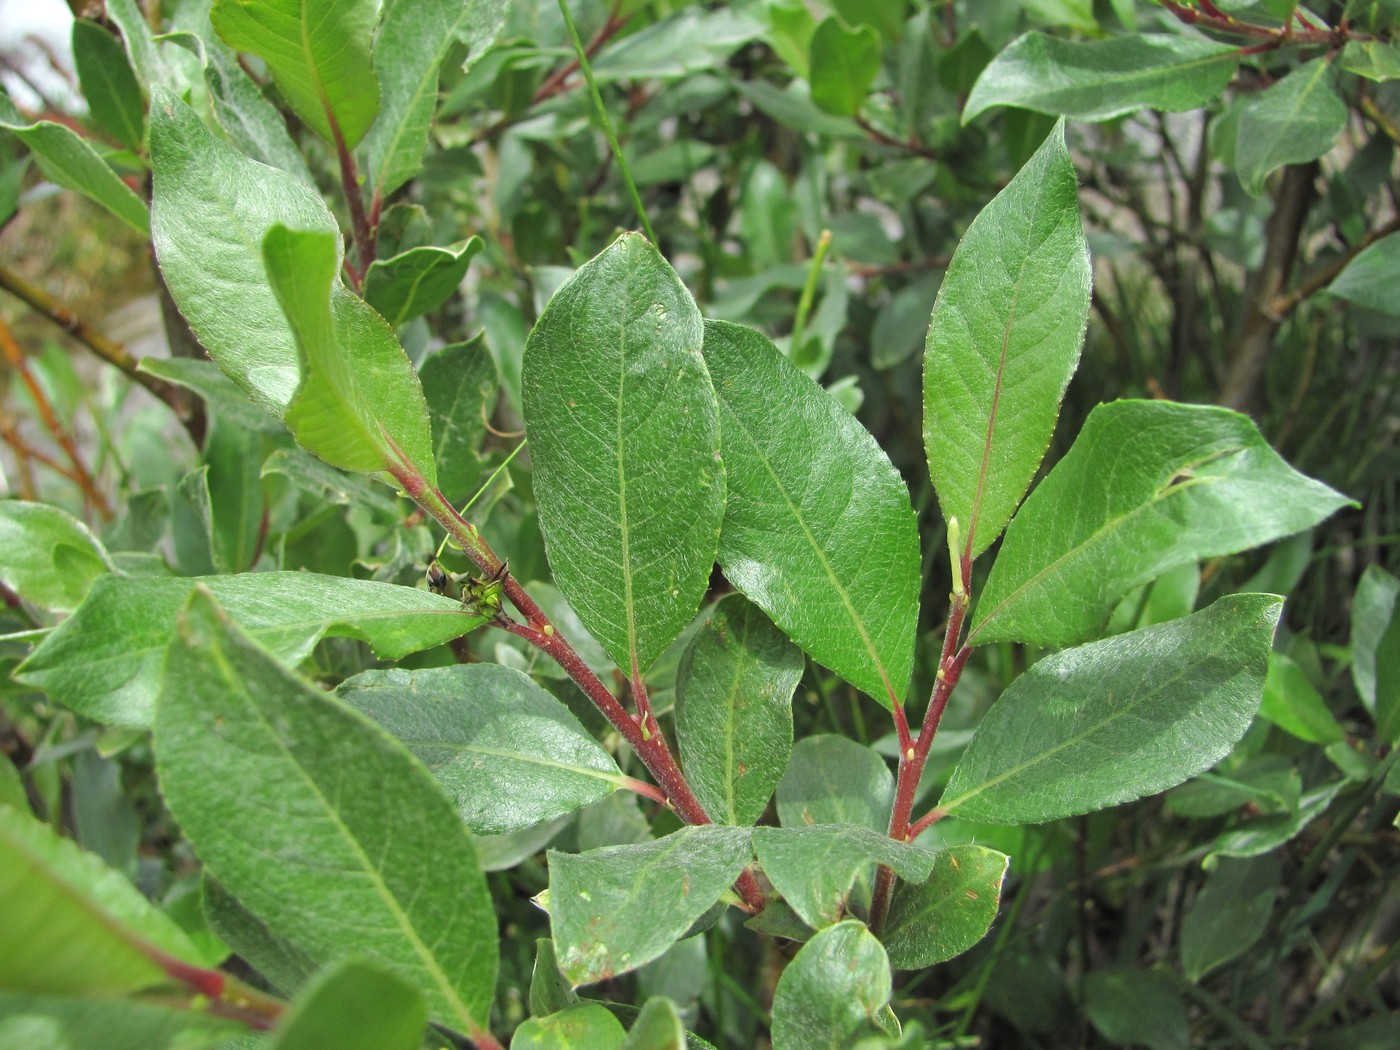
x: 734, y: 692
x: 1003, y: 342
x: 624, y: 438
x: 418, y: 280
x: 946, y: 914
x: 833, y: 990
x: 818, y: 530
x: 1148, y: 485
x: 1118, y: 719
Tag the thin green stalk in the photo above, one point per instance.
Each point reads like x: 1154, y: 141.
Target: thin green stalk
x: 587, y: 68
x: 809, y: 291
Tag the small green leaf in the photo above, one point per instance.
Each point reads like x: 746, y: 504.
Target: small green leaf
x: 318, y: 52
x: 1147, y: 486
x: 1372, y: 611
x: 1377, y: 60
x: 946, y: 914
x: 253, y: 763
x: 1133, y: 1007
x: 1295, y: 706
x: 835, y: 780
x: 618, y: 907
x: 1100, y: 79
x: 1293, y: 121
x: 833, y: 991
x: 1229, y: 914
x: 1118, y: 719
x: 109, y: 84
x: 105, y: 659
x: 460, y: 385
x: 657, y: 1027
x: 1260, y: 836
x: 1387, y: 711
x: 549, y: 992
x: 69, y: 161
x: 47, y: 556
x: 624, y: 438
x: 815, y: 867
x: 418, y: 280
x: 818, y: 530
x: 583, y: 1026
x: 67, y: 1022
x: 506, y: 752
x: 234, y: 456
x: 1003, y: 342
x: 360, y: 405
x: 843, y: 65
x: 734, y: 692
x: 74, y: 926
x: 1369, y: 279
x: 211, y: 209
x: 353, y: 1005
x: 414, y: 38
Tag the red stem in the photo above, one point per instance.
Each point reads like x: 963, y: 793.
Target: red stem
x: 363, y: 233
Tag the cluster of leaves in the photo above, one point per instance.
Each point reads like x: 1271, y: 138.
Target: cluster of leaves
x: 336, y: 779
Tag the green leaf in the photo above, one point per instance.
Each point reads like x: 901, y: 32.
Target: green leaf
x: 414, y: 38
x: 657, y: 1027
x: 109, y: 84
x: 1100, y: 79
x: 584, y: 1026
x: 1292, y: 704
x: 946, y: 914
x: 1133, y: 1007
x: 818, y: 530
x: 1376, y: 60
x: 277, y: 960
x: 249, y: 120
x: 843, y: 66
x: 460, y: 386
x: 833, y: 990
x: 734, y: 692
x: 68, y: 1022
x: 318, y: 52
x: 234, y: 456
x: 1147, y: 486
x: 1118, y: 719
x: 1387, y: 711
x: 615, y: 908
x: 506, y: 752
x: 105, y: 660
x: 418, y: 280
x: 253, y: 763
x: 624, y: 438
x: 549, y: 992
x: 354, y: 1005
x: 1369, y: 279
x: 685, y: 42
x: 1372, y: 611
x: 835, y: 780
x: 74, y: 926
x: 212, y: 207
x: 1291, y: 122
x: 1003, y: 342
x: 815, y: 867
x: 1229, y: 914
x: 1261, y: 836
x: 360, y: 405
x: 47, y: 556
x: 67, y: 160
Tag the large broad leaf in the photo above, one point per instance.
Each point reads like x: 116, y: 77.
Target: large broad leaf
x: 1369, y: 280
x: 1148, y: 486
x: 624, y: 437
x: 354, y: 1005
x: 278, y: 961
x: 506, y: 752
x: 211, y: 209
x: 69, y: 161
x: 318, y: 53
x: 418, y: 280
x: 105, y: 660
x: 74, y: 926
x: 1003, y: 342
x: 47, y: 556
x: 1118, y: 719
x: 615, y: 908
x: 292, y: 800
x: 818, y: 530
x: 815, y: 867
x: 950, y: 911
x: 1099, y: 79
x: 834, y: 991
x: 360, y: 405
x: 67, y: 1022
x: 1294, y: 121
x: 414, y: 38
x: 734, y: 692
x: 109, y: 84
